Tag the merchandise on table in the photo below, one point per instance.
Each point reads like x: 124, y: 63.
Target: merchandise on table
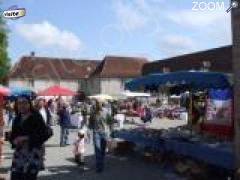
x: 182, y: 141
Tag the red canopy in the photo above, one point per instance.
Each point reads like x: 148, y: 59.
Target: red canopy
x: 56, y: 91
x: 4, y: 90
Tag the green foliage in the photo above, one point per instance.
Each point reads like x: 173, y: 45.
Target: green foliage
x: 4, y: 59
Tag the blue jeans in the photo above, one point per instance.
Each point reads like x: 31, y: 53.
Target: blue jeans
x: 10, y: 117
x: 64, y: 136
x: 100, y: 142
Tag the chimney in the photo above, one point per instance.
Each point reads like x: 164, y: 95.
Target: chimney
x: 32, y: 54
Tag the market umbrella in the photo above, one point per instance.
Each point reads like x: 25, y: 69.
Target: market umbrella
x: 16, y: 91
x: 101, y: 97
x: 196, y: 80
x: 4, y: 90
x: 56, y: 91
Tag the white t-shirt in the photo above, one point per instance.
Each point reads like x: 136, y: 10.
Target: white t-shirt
x: 76, y: 120
x: 43, y: 112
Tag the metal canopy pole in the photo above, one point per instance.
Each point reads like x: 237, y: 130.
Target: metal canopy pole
x: 190, y: 111
x: 235, y: 12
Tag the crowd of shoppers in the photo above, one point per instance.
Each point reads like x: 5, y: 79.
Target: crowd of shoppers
x: 31, y: 122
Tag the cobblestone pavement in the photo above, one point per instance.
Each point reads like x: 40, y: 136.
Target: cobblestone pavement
x: 60, y: 165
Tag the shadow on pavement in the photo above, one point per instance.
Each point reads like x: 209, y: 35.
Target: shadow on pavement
x: 4, y: 170
x: 116, y: 168
x: 52, y: 145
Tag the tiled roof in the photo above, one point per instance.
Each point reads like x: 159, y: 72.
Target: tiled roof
x: 120, y: 67
x: 52, y: 68
x: 219, y: 58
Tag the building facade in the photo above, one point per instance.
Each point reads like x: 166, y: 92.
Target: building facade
x: 39, y: 73
x: 112, y: 73
x: 216, y: 60
x: 109, y: 75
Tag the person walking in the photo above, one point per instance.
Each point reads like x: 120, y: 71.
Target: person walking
x: 10, y: 111
x: 64, y: 122
x: 147, y: 114
x: 41, y: 107
x: 97, y: 122
x: 29, y: 133
x: 52, y: 108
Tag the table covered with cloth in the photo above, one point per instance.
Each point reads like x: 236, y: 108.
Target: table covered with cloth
x: 219, y: 154
x: 138, y: 137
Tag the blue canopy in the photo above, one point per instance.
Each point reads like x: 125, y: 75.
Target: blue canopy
x: 16, y: 91
x: 197, y: 80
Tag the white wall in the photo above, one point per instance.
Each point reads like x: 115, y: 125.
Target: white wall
x: 18, y: 82
x: 112, y: 86
x: 41, y: 84
x: 37, y: 84
x: 70, y: 84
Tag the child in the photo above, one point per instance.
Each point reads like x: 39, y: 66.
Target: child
x: 79, y: 148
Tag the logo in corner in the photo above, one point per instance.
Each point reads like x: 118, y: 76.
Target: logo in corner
x: 14, y: 13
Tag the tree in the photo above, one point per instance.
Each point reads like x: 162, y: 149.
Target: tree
x: 4, y: 59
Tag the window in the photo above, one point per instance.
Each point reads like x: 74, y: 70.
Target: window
x: 80, y: 84
x: 166, y: 69
x: 122, y: 83
x: 31, y: 83
x: 206, y: 65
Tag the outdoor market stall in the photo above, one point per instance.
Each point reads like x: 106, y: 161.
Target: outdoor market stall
x: 196, y: 81
x: 130, y: 102
x: 55, y: 90
x: 214, y: 151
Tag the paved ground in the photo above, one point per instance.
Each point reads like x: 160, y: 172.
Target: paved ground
x: 60, y: 165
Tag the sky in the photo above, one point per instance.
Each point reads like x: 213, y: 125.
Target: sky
x: 92, y: 29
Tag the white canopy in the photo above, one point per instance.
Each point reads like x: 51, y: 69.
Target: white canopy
x: 135, y: 94
x: 102, y: 97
